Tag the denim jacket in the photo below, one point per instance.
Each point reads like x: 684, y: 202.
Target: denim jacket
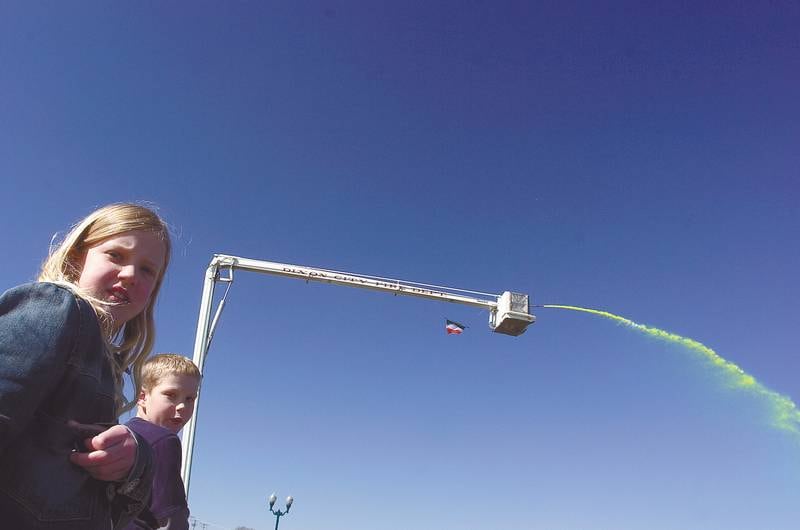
x: 53, y: 368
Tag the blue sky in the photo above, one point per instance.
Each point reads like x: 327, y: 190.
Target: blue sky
x: 641, y: 159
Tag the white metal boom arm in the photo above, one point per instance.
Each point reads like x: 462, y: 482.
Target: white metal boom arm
x: 508, y: 313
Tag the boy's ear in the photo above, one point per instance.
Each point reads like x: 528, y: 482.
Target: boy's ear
x: 141, y: 399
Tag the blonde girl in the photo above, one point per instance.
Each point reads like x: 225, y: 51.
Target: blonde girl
x: 65, y: 342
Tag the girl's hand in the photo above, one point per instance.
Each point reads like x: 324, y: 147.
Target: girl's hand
x: 111, y: 455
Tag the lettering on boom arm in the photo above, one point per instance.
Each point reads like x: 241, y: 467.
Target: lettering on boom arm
x: 365, y: 282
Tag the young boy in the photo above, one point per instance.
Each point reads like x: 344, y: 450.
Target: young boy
x: 166, y: 402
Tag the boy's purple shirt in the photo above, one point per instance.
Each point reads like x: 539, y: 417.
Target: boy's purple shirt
x: 168, y: 502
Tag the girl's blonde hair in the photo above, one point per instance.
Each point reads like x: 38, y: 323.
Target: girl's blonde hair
x: 128, y: 345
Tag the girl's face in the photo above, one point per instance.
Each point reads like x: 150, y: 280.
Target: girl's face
x: 123, y: 270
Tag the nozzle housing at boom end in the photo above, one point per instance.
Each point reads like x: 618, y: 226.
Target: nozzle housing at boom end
x: 511, y: 316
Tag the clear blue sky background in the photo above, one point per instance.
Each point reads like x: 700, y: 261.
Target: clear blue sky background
x: 637, y: 158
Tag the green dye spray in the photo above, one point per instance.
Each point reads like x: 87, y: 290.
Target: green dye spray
x: 784, y: 413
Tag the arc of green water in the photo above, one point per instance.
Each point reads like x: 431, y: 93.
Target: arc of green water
x: 785, y: 414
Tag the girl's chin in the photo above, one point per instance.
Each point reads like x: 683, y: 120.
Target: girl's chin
x: 120, y: 318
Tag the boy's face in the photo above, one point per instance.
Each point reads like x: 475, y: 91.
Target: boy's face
x: 170, y: 403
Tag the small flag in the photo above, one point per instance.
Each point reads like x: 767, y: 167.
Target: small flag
x: 454, y: 328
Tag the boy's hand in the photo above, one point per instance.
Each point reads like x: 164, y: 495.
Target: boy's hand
x: 111, y: 455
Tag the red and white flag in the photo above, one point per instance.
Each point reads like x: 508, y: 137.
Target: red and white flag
x: 454, y: 328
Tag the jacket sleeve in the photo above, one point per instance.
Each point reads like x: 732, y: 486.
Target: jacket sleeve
x: 129, y: 498
x: 38, y: 330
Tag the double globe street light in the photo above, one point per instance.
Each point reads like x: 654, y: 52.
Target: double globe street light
x: 279, y: 514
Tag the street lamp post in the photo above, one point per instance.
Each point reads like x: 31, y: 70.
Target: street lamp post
x: 279, y: 514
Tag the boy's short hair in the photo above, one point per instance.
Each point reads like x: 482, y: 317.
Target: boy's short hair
x: 162, y: 365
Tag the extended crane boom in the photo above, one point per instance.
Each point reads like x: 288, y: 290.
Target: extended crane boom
x: 508, y: 312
